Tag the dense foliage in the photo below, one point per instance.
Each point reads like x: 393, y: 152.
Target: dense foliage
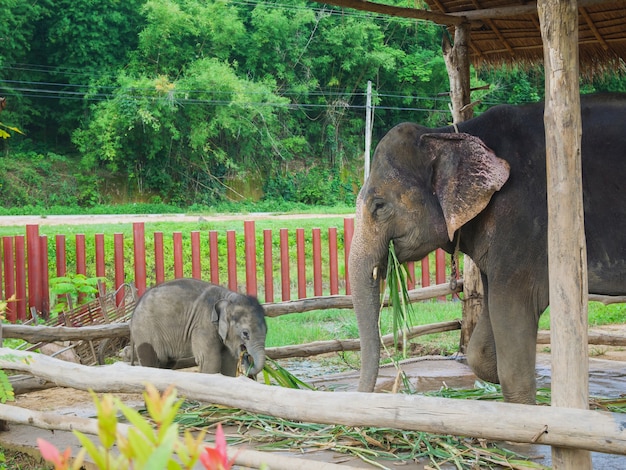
x: 192, y: 101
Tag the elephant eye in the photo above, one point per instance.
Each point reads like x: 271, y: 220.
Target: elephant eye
x: 378, y: 208
x: 245, y: 334
x: 378, y: 205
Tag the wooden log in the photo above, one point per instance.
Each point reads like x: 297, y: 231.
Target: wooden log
x: 564, y: 427
x: 27, y: 383
x: 606, y: 339
x: 345, y: 301
x: 49, y: 334
x: 323, y: 347
x: 52, y: 421
x: 608, y: 299
x: 249, y: 458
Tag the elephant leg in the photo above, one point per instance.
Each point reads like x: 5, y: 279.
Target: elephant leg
x: 481, y: 350
x: 229, y: 364
x: 514, y: 323
x: 147, y: 355
x: 206, y: 355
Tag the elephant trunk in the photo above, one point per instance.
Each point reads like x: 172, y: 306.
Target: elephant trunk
x: 365, y: 287
x: 255, y: 361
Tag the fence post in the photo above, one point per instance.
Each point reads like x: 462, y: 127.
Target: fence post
x: 100, y: 264
x: 9, y: 277
x: 139, y: 244
x: 196, y: 259
x: 20, y: 277
x: 118, y: 243
x: 45, y: 284
x: 317, y: 263
x: 440, y: 268
x: 231, y: 245
x: 268, y: 264
x: 348, y: 232
x: 301, y: 263
x: 34, y: 267
x: 61, y: 256
x: 410, y: 266
x: 250, y: 253
x: 178, y: 254
x: 332, y: 261
x: 213, y: 257
x: 81, y: 258
x: 159, y: 262
x: 426, y: 271
x: 81, y: 261
x: 285, y: 281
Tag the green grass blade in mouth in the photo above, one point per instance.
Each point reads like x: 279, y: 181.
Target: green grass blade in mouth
x: 399, y: 303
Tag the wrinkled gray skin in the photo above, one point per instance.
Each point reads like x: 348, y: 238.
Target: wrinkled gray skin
x: 186, y: 319
x: 487, y: 185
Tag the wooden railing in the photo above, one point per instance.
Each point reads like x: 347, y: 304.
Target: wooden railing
x: 265, y: 261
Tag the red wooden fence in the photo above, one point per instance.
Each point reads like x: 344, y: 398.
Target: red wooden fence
x: 24, y: 271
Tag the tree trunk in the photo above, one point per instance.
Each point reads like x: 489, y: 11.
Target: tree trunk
x: 567, y: 256
x: 457, y: 62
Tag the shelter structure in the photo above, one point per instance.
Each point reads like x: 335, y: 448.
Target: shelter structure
x: 573, y: 38
x: 508, y: 32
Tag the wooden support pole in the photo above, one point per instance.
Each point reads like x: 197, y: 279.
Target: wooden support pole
x: 567, y: 258
x: 457, y: 62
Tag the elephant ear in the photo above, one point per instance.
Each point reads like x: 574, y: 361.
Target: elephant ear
x: 220, y: 316
x: 466, y: 173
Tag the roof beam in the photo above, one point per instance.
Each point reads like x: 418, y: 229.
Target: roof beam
x: 594, y: 30
x: 509, y: 11
x: 416, y: 13
x: 453, y: 18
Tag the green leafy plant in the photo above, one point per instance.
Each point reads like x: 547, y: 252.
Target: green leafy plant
x: 282, y: 376
x: 6, y: 389
x: 4, y: 134
x: 80, y: 288
x: 399, y: 302
x: 150, y: 444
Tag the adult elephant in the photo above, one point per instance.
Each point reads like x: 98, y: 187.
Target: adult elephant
x: 483, y: 189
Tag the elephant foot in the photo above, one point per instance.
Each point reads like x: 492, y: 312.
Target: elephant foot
x: 485, y: 367
x: 147, y: 355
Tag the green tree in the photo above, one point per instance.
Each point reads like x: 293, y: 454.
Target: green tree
x: 178, y: 32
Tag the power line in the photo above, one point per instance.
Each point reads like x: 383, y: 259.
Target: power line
x: 48, y: 94
x: 51, y: 90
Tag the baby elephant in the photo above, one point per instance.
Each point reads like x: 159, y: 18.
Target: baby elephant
x: 191, y: 319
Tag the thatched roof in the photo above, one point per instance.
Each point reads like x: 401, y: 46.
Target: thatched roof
x: 508, y: 32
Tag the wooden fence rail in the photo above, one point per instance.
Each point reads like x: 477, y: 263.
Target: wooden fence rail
x: 29, y: 263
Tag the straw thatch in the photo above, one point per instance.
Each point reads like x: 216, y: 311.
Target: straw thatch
x: 507, y: 31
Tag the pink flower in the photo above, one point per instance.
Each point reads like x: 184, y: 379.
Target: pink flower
x: 217, y: 458
x: 50, y: 453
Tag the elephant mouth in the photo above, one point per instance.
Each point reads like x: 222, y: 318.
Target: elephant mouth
x: 246, y: 362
